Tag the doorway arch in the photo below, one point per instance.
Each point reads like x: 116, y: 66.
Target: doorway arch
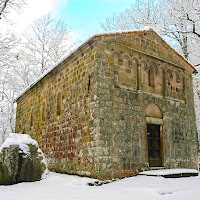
x: 154, y: 121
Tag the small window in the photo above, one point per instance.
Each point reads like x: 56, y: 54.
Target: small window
x: 89, y: 82
x: 31, y: 120
x: 149, y: 78
x: 58, y: 104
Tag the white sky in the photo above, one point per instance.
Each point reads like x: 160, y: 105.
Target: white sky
x: 32, y: 10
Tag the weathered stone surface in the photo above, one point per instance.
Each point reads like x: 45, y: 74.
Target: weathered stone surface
x: 19, y: 164
x: 90, y: 114
x: 32, y: 165
x: 9, y: 165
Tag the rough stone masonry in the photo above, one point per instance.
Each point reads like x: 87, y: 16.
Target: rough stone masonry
x: 122, y: 102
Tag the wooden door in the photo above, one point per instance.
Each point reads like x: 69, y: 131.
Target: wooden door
x: 154, y: 145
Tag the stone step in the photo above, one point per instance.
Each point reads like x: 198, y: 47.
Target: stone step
x: 171, y: 173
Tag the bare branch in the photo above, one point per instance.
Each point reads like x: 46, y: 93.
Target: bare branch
x: 8, y: 6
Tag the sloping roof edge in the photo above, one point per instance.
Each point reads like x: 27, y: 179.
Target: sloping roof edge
x: 175, y: 51
x: 65, y: 57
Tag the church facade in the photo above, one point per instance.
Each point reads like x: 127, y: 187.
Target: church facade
x: 121, y: 103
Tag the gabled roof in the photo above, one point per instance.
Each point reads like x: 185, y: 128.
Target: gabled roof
x: 92, y: 37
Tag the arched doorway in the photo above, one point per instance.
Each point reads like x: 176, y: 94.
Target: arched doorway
x: 154, y: 128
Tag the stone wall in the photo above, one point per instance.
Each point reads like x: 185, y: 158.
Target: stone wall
x: 61, y: 110
x: 91, y: 113
x: 125, y: 91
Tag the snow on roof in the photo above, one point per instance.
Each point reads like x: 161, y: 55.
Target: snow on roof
x: 63, y: 58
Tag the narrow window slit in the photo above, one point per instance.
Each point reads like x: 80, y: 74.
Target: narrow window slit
x: 89, y: 84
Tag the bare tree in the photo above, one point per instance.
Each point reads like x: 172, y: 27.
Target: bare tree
x: 180, y: 22
x: 176, y: 20
x: 142, y: 13
x: 44, y: 43
x: 7, y: 6
x: 8, y: 83
x: 23, y: 60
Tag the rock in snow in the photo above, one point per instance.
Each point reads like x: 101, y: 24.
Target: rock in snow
x: 21, y: 160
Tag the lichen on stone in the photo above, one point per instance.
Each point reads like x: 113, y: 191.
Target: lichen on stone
x: 21, y: 160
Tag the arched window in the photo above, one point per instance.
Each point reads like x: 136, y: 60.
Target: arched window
x: 150, y: 77
x: 58, y: 104
x: 169, y: 80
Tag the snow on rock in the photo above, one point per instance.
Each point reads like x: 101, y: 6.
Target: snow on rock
x: 19, y: 139
x: 21, y: 160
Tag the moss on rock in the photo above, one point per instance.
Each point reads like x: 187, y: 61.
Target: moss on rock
x: 21, y: 165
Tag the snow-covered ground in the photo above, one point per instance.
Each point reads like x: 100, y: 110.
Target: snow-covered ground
x: 61, y: 187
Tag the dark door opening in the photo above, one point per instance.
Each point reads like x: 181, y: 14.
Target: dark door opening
x: 154, y: 145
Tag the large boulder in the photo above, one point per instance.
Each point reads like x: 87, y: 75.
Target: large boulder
x: 8, y: 164
x: 21, y: 160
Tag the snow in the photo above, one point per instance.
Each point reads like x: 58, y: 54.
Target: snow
x: 19, y: 139
x: 23, y: 140
x: 61, y: 187
x: 146, y: 28
x: 169, y: 172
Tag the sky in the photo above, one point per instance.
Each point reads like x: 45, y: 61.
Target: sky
x: 85, y: 16
x: 82, y: 16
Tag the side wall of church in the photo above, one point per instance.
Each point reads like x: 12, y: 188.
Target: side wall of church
x: 60, y: 112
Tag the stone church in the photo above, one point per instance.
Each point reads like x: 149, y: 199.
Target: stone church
x: 121, y: 103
